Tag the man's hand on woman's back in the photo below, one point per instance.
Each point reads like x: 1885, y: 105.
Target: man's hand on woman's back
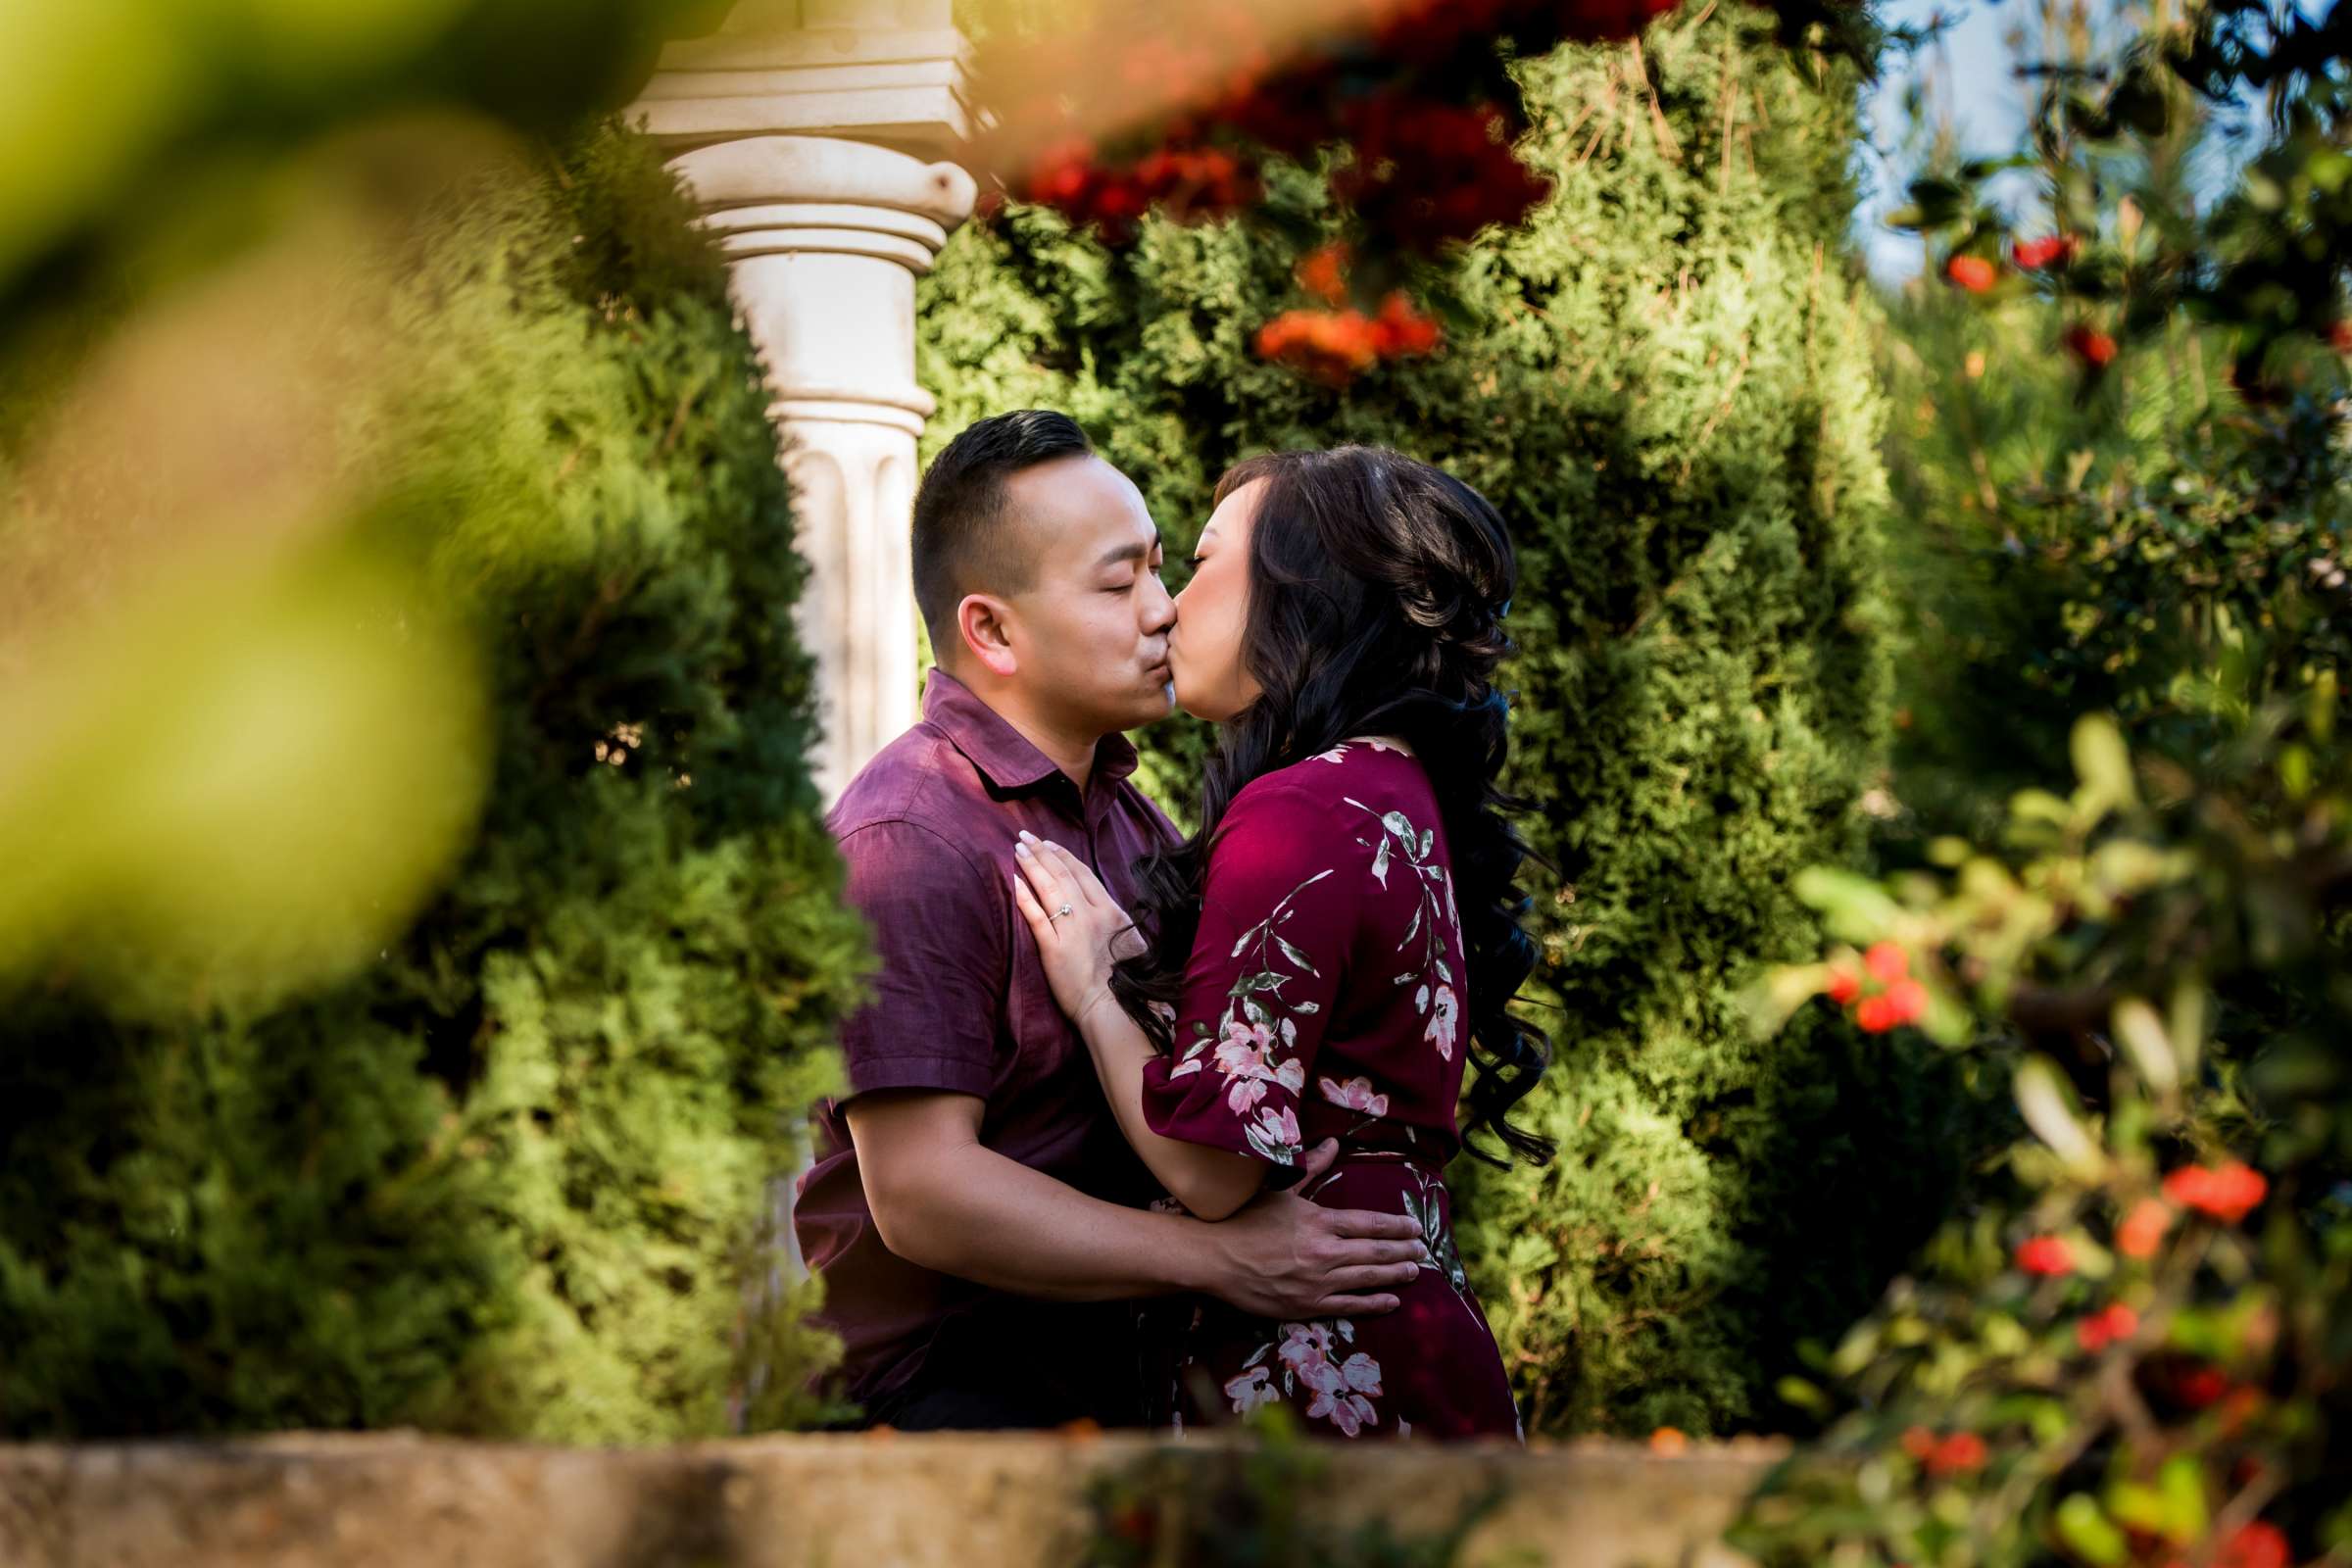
x: 1282, y: 1257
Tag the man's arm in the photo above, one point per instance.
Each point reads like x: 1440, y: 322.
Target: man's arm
x: 943, y: 1202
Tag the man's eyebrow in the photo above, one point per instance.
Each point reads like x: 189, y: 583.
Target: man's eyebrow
x: 1112, y: 557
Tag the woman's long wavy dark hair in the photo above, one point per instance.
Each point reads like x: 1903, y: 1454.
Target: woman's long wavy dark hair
x: 1377, y: 587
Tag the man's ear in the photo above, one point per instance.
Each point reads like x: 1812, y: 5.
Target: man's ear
x: 985, y: 623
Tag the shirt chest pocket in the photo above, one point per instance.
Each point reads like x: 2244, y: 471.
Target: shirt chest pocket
x: 1043, y: 1043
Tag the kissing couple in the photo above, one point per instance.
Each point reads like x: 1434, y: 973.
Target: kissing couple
x: 1145, y: 1129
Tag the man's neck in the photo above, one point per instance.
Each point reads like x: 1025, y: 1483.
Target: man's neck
x: 1070, y: 750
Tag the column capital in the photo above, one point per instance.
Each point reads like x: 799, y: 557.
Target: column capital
x: 886, y: 71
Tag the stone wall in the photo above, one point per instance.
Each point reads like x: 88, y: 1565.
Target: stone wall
x: 372, y: 1501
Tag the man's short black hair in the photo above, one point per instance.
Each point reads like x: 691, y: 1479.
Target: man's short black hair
x: 964, y: 541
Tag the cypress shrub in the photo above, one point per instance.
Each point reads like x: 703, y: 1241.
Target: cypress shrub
x: 510, y: 1178
x: 1664, y: 380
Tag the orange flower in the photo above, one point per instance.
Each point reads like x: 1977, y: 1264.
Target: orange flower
x: 1323, y: 273
x: 2046, y: 1255
x: 1972, y: 273
x: 1669, y: 1441
x: 1402, y: 330
x: 2143, y: 1229
x: 2226, y: 1192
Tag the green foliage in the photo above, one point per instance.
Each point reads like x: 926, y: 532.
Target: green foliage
x: 510, y: 1178
x: 1664, y: 382
x: 2141, y: 1356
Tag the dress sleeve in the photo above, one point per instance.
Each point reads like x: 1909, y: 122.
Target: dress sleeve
x: 1277, y: 921
x: 939, y: 931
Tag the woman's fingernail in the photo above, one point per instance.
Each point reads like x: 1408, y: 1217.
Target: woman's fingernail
x: 1021, y: 849
x: 1028, y: 837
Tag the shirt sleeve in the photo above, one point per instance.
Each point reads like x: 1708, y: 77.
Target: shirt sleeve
x: 941, y: 936
x: 1276, y: 926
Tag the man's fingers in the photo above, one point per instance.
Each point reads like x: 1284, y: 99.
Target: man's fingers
x: 1358, y: 1253
x: 1373, y: 1223
x: 1353, y: 1306
x: 1386, y: 1277
x: 1316, y: 1160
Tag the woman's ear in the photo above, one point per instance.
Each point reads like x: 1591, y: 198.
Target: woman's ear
x: 984, y: 621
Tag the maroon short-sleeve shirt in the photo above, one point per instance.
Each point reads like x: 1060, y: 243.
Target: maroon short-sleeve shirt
x: 961, y: 1004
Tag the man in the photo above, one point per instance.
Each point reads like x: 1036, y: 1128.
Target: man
x: 974, y: 1211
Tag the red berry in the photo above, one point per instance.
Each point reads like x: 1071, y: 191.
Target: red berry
x: 2226, y: 1193
x: 1842, y: 986
x: 1887, y: 963
x: 1876, y: 1015
x: 2036, y: 254
x: 1972, y: 273
x: 2259, y: 1545
x: 1907, y: 1001
x: 2105, y: 1327
x: 1957, y: 1454
x: 2046, y: 1255
x: 2091, y: 346
x: 2143, y: 1229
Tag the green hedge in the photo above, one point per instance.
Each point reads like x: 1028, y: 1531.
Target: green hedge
x: 1667, y: 387
x: 510, y: 1179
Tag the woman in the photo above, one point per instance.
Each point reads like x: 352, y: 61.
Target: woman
x: 1326, y: 955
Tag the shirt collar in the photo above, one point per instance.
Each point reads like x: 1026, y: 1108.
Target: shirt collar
x: 1004, y: 756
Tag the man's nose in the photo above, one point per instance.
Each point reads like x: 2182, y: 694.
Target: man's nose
x: 1160, y: 610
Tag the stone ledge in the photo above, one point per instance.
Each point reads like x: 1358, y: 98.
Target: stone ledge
x: 806, y: 1502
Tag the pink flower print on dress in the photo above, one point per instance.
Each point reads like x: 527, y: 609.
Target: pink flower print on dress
x: 1443, y: 1021
x: 1344, y: 1392
x: 1274, y: 1136
x: 1242, y: 1047
x: 1354, y: 1094
x: 1251, y: 1389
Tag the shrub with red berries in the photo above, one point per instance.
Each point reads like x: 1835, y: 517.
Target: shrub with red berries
x: 2136, y: 1358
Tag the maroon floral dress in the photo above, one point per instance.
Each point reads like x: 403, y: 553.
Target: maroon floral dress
x: 1325, y: 998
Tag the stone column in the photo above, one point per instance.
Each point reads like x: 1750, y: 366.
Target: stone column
x: 812, y: 131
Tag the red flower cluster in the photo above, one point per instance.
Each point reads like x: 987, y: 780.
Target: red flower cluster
x: 2046, y: 1255
x: 1335, y: 347
x: 1428, y: 173
x: 2339, y: 336
x: 1423, y: 102
x: 1972, y: 273
x: 2094, y: 348
x: 1894, y: 997
x: 2110, y: 1324
x: 1183, y: 181
x: 2228, y: 1193
x: 2051, y: 249
x: 1957, y: 1454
